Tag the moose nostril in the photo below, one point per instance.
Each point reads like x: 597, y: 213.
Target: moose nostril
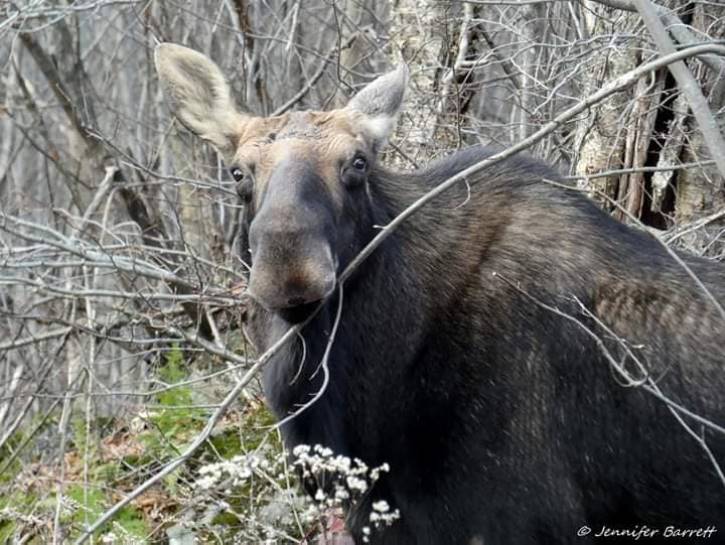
x: 296, y: 301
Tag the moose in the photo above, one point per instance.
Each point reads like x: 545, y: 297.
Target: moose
x: 532, y: 370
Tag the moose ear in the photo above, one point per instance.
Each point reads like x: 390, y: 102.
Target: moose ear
x: 379, y: 102
x: 199, y: 94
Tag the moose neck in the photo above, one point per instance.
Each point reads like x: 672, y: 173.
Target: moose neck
x: 383, y: 319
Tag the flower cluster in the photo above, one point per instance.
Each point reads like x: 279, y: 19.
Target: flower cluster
x: 338, y: 482
x: 341, y: 481
x: 381, y: 515
x: 234, y: 471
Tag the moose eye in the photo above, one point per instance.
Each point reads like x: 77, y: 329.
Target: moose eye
x: 355, y: 171
x: 245, y: 189
x: 359, y: 163
x: 237, y: 174
x: 245, y: 183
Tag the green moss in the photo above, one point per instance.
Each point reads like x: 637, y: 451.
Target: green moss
x: 92, y: 504
x: 105, y: 472
x: 175, y: 419
x: 16, y: 502
x: 131, y: 521
x: 7, y: 529
x: 19, y: 500
x: 21, y: 440
x: 225, y: 518
x: 227, y: 443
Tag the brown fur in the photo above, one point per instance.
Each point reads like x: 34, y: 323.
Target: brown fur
x: 464, y: 357
x: 325, y: 138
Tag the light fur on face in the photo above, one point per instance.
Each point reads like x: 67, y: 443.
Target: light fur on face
x: 202, y: 101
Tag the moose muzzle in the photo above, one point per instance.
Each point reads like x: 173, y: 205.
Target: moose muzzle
x: 286, y: 274
x: 291, y: 239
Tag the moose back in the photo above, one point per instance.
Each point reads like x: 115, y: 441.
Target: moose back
x: 521, y: 361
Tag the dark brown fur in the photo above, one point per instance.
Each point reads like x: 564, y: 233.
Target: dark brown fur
x: 482, y: 348
x: 502, y: 420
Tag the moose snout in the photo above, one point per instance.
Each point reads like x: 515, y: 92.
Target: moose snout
x: 291, y: 239
x: 278, y: 293
x: 281, y: 279
x: 279, y: 290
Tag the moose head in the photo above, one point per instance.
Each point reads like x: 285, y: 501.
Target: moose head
x: 304, y: 176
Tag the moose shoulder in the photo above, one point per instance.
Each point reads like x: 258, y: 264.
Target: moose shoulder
x: 511, y: 351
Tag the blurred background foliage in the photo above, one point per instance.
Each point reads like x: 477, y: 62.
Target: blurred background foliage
x: 119, y: 231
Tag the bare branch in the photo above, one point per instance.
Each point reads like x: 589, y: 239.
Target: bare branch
x: 709, y: 127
